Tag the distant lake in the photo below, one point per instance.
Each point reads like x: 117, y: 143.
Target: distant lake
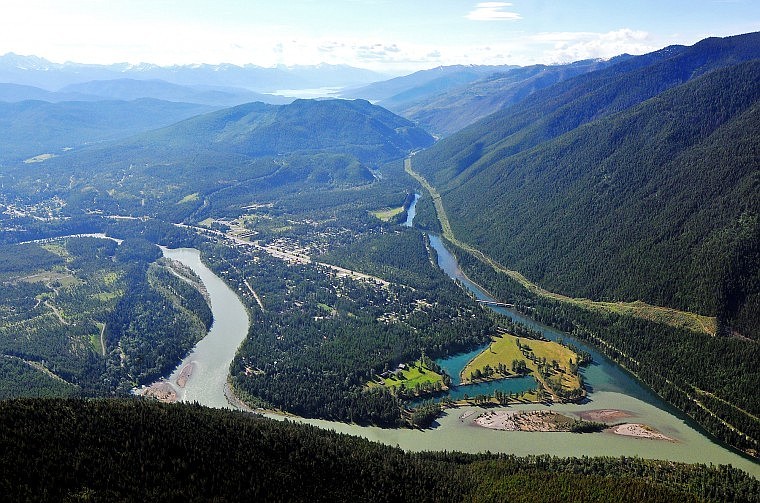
x: 317, y: 92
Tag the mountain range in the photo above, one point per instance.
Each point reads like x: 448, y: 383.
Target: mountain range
x: 251, y: 148
x: 635, y: 181
x: 446, y: 99
x: 31, y: 128
x: 39, y: 72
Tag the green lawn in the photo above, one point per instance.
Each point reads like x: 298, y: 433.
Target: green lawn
x: 190, y: 198
x: 414, y: 374
x: 388, y: 213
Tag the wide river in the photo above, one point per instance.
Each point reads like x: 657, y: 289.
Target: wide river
x: 612, y: 388
x: 211, y: 357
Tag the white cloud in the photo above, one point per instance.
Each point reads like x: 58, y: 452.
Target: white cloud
x: 493, y: 11
x: 575, y: 46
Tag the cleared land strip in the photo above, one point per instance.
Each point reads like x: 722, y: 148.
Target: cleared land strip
x: 57, y: 313
x: 255, y: 295
x: 673, y: 317
x: 287, y: 255
x: 102, y: 338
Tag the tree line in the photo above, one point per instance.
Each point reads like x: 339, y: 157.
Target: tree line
x: 138, y: 450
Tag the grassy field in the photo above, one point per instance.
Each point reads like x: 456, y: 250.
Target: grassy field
x: 668, y: 316
x: 504, y: 350
x: 190, y: 198
x: 415, y: 374
x: 386, y: 214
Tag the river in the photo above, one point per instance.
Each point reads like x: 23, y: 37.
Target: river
x: 411, y: 211
x: 613, y: 388
x: 211, y: 357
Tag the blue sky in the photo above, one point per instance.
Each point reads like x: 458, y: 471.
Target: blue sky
x: 385, y: 35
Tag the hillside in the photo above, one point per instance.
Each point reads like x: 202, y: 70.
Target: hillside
x: 215, y: 163
x: 422, y: 83
x: 614, y: 189
x: 132, y: 89
x: 446, y: 111
x: 17, y: 92
x: 100, y: 450
x: 358, y: 128
x: 31, y: 128
x: 76, y: 317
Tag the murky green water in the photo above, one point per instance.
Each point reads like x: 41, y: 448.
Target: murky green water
x: 212, y: 356
x: 611, y: 388
x: 602, y: 375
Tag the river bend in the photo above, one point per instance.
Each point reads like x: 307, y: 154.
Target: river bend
x: 613, y: 389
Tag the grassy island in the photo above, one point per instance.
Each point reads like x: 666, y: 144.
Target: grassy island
x: 553, y: 365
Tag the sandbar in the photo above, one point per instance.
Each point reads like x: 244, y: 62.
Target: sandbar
x: 162, y: 391
x: 605, y: 415
x: 533, y: 420
x: 639, y: 431
x: 184, y: 375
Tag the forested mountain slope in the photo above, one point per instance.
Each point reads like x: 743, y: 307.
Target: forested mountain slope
x: 130, y: 450
x: 228, y: 157
x: 566, y: 105
x: 422, y: 83
x: 448, y: 111
x: 132, y: 89
x: 30, y: 128
x: 616, y: 188
x: 305, y: 126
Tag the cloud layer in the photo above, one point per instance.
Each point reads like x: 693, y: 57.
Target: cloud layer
x: 493, y: 11
x: 384, y: 35
x: 574, y: 46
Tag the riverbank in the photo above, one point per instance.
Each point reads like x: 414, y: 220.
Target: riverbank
x: 639, y: 309
x: 452, y: 433
x: 162, y: 390
x: 532, y: 420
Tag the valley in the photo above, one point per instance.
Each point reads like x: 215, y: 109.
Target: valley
x: 639, y: 309
x: 491, y: 273
x: 208, y: 382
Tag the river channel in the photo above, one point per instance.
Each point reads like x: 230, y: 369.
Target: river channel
x: 612, y: 388
x: 210, y: 359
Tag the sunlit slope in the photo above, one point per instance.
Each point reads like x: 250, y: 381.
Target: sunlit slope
x: 643, y: 204
x: 30, y: 128
x: 356, y: 127
x: 228, y: 158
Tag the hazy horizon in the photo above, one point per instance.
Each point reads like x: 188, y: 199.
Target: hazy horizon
x: 385, y: 36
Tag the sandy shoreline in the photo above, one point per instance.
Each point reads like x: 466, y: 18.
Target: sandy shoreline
x: 640, y: 431
x: 185, y: 374
x: 533, y: 420
x: 548, y: 421
x: 163, y: 391
x: 605, y: 415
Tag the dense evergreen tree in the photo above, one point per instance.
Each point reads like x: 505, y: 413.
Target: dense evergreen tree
x: 632, y: 190
x: 134, y: 450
